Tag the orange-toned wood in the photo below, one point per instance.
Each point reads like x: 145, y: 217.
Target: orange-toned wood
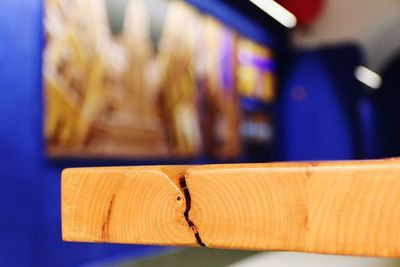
x: 328, y: 207
x: 142, y: 205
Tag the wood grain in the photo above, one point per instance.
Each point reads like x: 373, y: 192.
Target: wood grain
x: 327, y: 207
x: 142, y: 205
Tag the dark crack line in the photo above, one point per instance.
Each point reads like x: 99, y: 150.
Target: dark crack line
x: 183, y: 185
x: 104, y: 232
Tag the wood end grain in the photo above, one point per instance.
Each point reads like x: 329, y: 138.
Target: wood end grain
x: 140, y: 205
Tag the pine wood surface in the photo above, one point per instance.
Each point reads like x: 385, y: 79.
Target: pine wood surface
x: 348, y: 207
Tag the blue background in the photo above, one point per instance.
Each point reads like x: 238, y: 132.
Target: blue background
x: 326, y: 124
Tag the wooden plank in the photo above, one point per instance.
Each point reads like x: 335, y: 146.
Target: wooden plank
x: 141, y: 205
x: 327, y: 207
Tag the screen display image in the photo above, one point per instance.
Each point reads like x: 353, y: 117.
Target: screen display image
x: 147, y: 79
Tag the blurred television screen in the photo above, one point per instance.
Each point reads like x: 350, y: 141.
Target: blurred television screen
x: 151, y: 79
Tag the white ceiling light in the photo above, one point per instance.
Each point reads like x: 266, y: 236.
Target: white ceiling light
x: 368, y: 77
x: 277, y: 11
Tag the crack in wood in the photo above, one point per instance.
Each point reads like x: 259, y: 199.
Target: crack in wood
x: 104, y: 230
x: 190, y: 223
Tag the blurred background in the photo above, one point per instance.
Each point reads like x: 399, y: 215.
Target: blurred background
x: 139, y: 82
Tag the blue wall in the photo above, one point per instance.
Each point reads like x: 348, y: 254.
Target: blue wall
x: 319, y: 119
x: 30, y: 233
x: 19, y: 113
